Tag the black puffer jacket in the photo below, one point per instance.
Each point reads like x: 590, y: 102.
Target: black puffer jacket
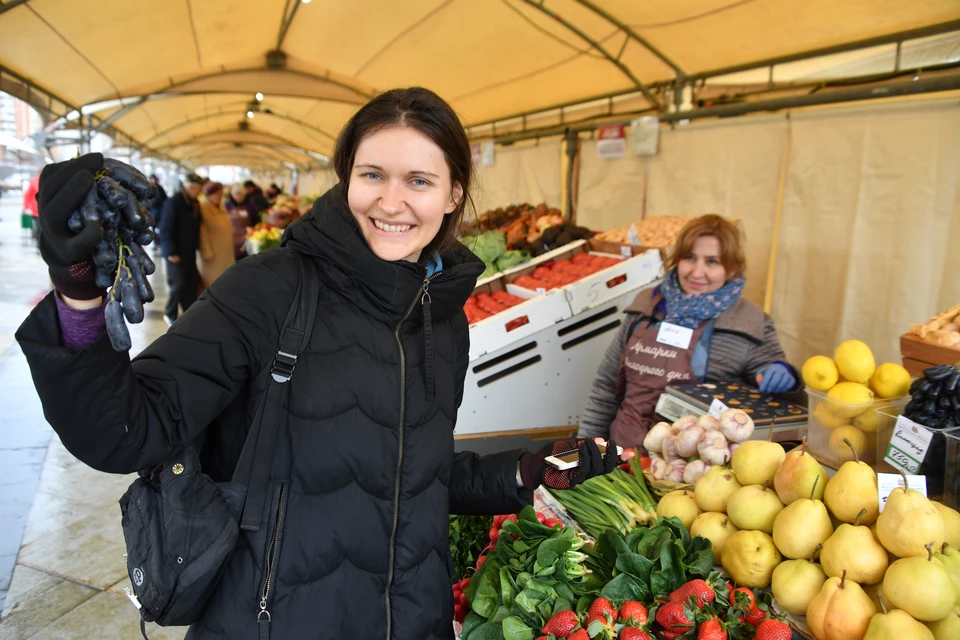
x: 363, y: 549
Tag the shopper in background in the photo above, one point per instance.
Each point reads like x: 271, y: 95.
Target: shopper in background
x: 256, y: 202
x: 239, y: 218
x: 216, y: 235
x: 179, y: 241
x: 694, y: 326
x: 30, y: 207
x: 156, y: 205
x: 355, y: 536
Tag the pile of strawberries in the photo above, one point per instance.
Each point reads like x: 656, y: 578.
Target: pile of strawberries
x: 563, y: 272
x: 694, y: 611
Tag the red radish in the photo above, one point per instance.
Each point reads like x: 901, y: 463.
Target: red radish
x: 463, y: 600
x: 541, y: 518
x: 512, y: 516
x: 480, y: 561
x: 553, y: 523
x: 494, y: 535
x: 463, y: 583
x: 458, y: 611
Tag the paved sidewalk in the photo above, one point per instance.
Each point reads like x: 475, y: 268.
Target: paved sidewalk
x: 61, y: 531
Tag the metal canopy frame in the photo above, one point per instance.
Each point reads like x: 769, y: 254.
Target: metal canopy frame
x: 242, y: 112
x: 6, y: 5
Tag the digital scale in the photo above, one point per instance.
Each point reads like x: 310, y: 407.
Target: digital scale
x: 788, y: 409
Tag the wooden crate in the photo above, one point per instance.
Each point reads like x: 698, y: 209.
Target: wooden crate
x: 919, y: 354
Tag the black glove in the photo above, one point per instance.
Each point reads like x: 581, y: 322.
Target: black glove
x: 63, y: 187
x: 535, y: 471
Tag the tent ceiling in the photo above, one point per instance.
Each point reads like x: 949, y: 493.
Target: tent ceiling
x: 189, y: 69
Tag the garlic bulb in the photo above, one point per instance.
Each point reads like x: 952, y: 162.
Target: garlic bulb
x: 708, y: 423
x: 670, y: 449
x: 688, y: 440
x: 675, y: 471
x: 713, y: 448
x: 694, y: 471
x: 654, y: 438
x: 683, y: 423
x: 736, y: 425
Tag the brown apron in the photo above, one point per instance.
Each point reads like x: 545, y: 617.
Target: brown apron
x: 646, y: 368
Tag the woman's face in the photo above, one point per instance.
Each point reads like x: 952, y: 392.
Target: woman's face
x: 701, y: 271
x: 215, y: 198
x: 400, y: 190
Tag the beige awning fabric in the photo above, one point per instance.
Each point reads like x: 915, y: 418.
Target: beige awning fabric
x: 194, y: 66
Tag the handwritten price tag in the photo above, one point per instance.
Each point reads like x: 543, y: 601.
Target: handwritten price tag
x: 716, y: 409
x: 908, y: 445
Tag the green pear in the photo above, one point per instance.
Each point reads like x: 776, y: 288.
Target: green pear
x: 714, y: 488
x: 754, y: 508
x: 920, y: 586
x: 909, y: 522
x: 853, y: 548
x: 797, y: 475
x: 802, y: 526
x: 757, y: 461
x: 895, y: 625
x: 948, y: 628
x: 795, y: 583
x: 851, y: 490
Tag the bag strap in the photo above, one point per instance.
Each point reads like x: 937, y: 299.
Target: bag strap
x: 294, y: 337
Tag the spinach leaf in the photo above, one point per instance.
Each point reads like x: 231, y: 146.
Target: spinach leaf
x: 507, y: 590
x: 625, y: 587
x: 515, y: 629
x: 487, y: 631
x: 471, y: 622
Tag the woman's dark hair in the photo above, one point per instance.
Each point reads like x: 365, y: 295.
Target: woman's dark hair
x: 425, y: 111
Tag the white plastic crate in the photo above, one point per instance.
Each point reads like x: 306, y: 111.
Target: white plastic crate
x: 517, y: 323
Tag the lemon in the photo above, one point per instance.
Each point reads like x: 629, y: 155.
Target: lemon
x: 839, y: 448
x: 826, y: 417
x: 890, y: 381
x: 849, y: 399
x: 867, y: 421
x: 820, y: 373
x: 855, y: 361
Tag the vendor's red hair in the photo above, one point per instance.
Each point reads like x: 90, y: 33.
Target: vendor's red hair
x: 731, y: 243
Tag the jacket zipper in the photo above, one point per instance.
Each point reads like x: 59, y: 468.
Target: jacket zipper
x: 263, y: 616
x: 421, y: 292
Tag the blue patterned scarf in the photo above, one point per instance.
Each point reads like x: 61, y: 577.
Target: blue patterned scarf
x: 689, y: 310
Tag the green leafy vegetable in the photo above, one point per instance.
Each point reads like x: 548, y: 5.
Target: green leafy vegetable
x: 469, y: 536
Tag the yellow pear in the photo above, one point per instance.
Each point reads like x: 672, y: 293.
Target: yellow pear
x: 849, y: 399
x: 948, y: 628
x: 795, y: 583
x: 715, y: 527
x: 797, y: 475
x: 847, y: 443
x: 909, y: 522
x: 714, y: 488
x: 950, y: 559
x: 851, y: 490
x: 754, y: 508
x: 951, y: 525
x: 873, y: 590
x: 802, y: 526
x: 855, y: 361
x: 757, y: 461
x: 895, y: 625
x: 841, y: 611
x: 921, y: 587
x: 820, y: 373
x: 890, y: 381
x: 852, y: 548
x: 827, y: 418
x: 750, y: 558
x: 680, y: 504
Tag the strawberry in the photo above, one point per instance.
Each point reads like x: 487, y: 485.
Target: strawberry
x: 756, y: 616
x: 673, y: 617
x: 633, y: 612
x: 561, y: 624
x: 632, y: 633
x: 579, y: 634
x: 773, y: 630
x: 711, y: 629
x: 601, y: 607
x: 698, y: 589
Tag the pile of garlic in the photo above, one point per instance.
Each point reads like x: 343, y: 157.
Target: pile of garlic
x: 684, y: 450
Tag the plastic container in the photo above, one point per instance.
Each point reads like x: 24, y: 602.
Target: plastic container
x: 951, y: 467
x: 868, y: 428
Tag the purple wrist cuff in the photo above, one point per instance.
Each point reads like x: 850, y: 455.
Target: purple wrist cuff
x: 80, y: 328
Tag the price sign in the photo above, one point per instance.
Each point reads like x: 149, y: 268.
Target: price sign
x: 626, y: 251
x: 716, y: 409
x: 887, y: 482
x: 908, y: 445
x: 633, y: 236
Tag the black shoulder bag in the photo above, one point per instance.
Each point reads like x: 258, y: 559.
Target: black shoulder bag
x: 179, y: 525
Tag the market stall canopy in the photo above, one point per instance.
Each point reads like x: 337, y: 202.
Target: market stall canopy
x: 182, y: 77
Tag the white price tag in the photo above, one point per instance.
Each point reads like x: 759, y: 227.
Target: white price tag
x: 908, y: 445
x: 626, y: 251
x: 633, y: 236
x: 887, y: 482
x: 674, y: 335
x: 716, y: 409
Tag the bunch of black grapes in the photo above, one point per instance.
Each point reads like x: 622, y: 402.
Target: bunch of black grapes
x: 119, y: 203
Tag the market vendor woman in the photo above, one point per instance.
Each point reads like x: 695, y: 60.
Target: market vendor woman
x: 694, y: 326
x: 365, y: 472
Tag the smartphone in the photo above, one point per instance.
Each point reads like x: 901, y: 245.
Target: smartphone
x: 572, y: 459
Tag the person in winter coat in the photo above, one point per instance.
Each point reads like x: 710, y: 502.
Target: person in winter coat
x: 694, y: 326
x: 179, y: 241
x: 365, y: 473
x: 239, y: 218
x: 216, y: 235
x: 156, y: 205
x: 256, y: 201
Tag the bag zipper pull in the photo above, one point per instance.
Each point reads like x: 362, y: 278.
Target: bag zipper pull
x: 133, y: 598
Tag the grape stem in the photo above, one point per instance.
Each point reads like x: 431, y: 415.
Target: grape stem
x: 121, y: 265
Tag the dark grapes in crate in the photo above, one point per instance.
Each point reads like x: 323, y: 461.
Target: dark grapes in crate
x: 935, y: 404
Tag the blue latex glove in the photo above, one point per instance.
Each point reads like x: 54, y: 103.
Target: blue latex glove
x: 775, y: 378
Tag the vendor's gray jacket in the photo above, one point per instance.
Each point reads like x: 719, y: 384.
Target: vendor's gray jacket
x: 744, y: 340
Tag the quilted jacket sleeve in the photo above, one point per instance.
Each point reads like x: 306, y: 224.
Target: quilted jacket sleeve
x: 118, y: 415
x: 482, y: 485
